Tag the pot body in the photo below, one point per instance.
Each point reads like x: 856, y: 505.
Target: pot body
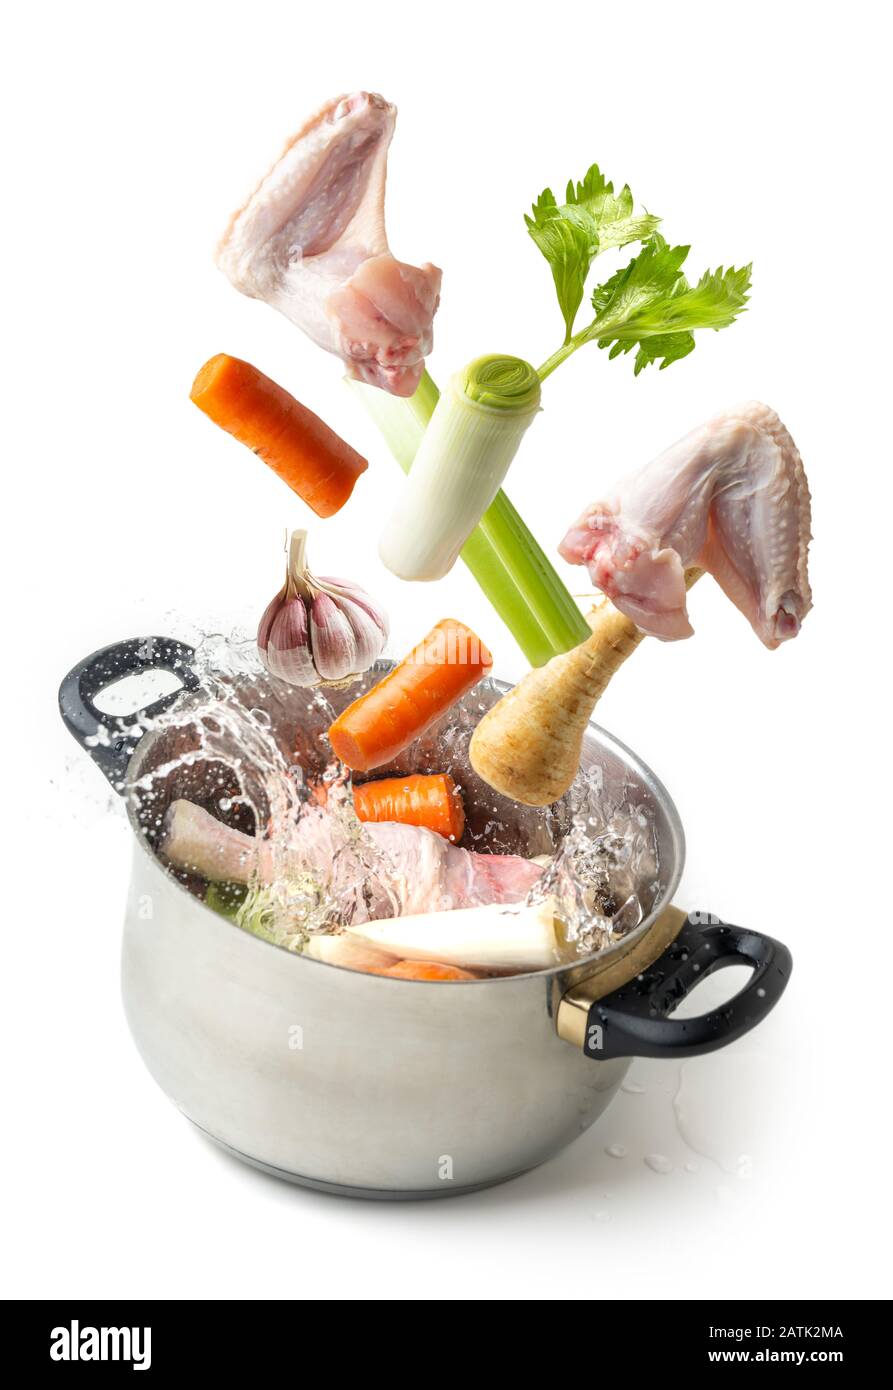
x: 352, y: 1082
x: 359, y: 1083
x: 363, y: 1084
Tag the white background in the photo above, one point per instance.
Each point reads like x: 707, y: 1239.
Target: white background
x: 131, y: 132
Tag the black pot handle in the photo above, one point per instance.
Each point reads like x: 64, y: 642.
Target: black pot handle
x: 105, y: 736
x: 633, y: 1022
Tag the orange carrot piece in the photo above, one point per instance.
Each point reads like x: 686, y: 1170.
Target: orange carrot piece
x: 409, y: 699
x: 433, y: 801
x: 315, y: 462
x: 425, y: 970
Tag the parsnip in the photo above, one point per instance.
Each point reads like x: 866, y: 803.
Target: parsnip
x: 528, y: 745
x: 495, y: 937
x: 349, y: 951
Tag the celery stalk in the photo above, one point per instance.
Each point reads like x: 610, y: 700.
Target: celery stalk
x: 540, y: 585
x: 497, y: 585
x: 507, y: 563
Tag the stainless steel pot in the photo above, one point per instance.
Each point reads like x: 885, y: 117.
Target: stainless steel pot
x: 377, y: 1087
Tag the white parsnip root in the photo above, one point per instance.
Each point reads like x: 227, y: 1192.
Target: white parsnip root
x: 528, y: 745
x: 349, y: 951
x: 495, y: 937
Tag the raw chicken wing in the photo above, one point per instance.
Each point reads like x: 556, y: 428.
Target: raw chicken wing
x: 311, y: 242
x: 730, y: 498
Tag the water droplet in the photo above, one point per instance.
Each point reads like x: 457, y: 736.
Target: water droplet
x: 616, y: 1151
x: 658, y: 1163
x: 722, y: 1105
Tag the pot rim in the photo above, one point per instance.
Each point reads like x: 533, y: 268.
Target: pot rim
x: 648, y: 778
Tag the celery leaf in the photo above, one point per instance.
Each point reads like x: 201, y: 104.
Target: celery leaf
x: 650, y: 305
x: 593, y: 206
x: 570, y: 235
x: 566, y: 248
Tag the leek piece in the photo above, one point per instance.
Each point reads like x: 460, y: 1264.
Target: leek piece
x: 506, y: 561
x: 403, y: 422
x: 474, y: 434
x: 226, y: 898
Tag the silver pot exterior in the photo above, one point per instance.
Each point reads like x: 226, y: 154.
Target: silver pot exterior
x: 379, y: 1087
x: 337, y: 1079
x: 359, y: 1083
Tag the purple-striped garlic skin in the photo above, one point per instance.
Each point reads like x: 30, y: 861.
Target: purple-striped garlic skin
x: 319, y: 631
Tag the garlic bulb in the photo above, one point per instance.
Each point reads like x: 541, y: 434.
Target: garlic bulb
x: 318, y: 631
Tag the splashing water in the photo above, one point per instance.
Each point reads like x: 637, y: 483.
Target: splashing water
x: 253, y: 752
x: 604, y: 871
x: 243, y: 763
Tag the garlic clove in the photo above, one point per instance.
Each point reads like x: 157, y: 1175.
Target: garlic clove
x: 271, y: 613
x: 332, y: 639
x: 368, y: 637
x: 360, y: 597
x: 288, y: 653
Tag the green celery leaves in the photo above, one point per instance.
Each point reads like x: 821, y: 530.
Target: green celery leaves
x: 593, y: 219
x: 608, y: 220
x: 566, y: 248
x: 649, y: 305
